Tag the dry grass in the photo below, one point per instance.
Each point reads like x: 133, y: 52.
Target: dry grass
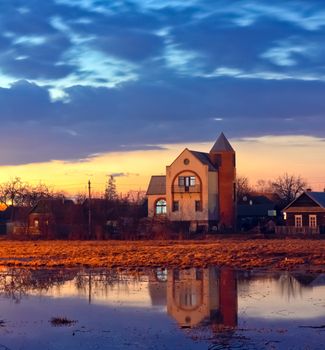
x: 285, y: 254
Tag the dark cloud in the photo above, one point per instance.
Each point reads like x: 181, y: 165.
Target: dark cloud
x: 137, y: 74
x: 39, y: 130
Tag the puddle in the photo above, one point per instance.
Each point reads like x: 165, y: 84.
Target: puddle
x: 161, y: 309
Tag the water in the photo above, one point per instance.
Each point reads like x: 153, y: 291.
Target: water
x: 161, y: 309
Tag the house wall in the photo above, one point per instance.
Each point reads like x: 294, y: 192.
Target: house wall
x: 187, y: 200
x: 213, y: 195
x: 226, y: 181
x: 44, y: 227
x: 305, y: 217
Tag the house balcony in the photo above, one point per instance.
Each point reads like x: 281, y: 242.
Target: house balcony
x: 293, y: 230
x: 187, y: 189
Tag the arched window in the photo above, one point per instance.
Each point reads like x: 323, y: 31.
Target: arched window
x: 161, y: 207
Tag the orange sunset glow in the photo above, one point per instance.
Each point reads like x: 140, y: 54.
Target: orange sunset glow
x: 257, y: 158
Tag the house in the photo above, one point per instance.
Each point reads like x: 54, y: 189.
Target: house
x: 52, y: 218
x: 13, y: 220
x: 198, y: 188
x: 306, y: 214
x: 258, y: 210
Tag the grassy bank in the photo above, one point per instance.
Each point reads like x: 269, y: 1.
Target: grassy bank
x: 286, y: 254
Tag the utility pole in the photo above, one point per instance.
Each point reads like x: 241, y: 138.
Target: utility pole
x: 89, y: 209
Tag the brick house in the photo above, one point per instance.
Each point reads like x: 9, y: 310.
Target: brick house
x: 198, y: 188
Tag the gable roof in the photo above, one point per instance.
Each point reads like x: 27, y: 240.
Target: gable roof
x: 260, y: 198
x: 222, y: 145
x: 204, y: 158
x: 317, y: 197
x: 157, y: 185
x: 51, y: 205
x: 14, y: 213
x: 254, y: 209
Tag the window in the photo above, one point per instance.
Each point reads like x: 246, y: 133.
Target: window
x: 298, y: 220
x: 192, y: 180
x: 186, y: 181
x: 161, y: 207
x: 198, y: 206
x: 176, y: 206
x: 312, y: 221
x: 36, y: 223
x: 181, y: 181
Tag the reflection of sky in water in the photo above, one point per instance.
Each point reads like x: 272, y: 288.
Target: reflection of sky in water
x: 279, y: 298
x: 178, y: 309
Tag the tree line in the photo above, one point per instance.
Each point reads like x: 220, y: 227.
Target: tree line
x: 19, y: 193
x: 286, y: 186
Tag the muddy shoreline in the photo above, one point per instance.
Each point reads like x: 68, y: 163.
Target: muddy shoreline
x: 275, y: 254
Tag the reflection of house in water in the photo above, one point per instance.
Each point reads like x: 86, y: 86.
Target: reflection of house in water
x: 202, y: 295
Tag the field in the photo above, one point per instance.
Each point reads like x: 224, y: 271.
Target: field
x: 284, y: 254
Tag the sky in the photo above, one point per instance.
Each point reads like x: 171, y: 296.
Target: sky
x: 90, y: 88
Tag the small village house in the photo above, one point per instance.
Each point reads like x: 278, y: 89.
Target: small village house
x: 198, y: 188
x: 52, y: 218
x: 305, y: 215
x: 258, y: 210
x: 13, y: 220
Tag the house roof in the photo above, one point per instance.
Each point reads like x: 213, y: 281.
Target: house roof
x: 222, y: 145
x: 254, y: 210
x: 204, y: 159
x: 260, y: 198
x: 317, y: 197
x: 14, y: 213
x: 50, y: 205
x: 157, y: 185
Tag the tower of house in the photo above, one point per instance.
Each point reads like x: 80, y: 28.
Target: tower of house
x: 223, y: 157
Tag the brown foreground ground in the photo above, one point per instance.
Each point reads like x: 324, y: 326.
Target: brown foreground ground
x: 285, y: 254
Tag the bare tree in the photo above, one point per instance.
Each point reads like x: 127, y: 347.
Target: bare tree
x: 263, y: 186
x: 288, y: 187
x: 15, y: 192
x: 242, y: 186
x: 80, y: 197
x: 12, y: 192
x: 33, y: 194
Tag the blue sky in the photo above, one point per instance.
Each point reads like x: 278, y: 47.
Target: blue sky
x: 83, y: 77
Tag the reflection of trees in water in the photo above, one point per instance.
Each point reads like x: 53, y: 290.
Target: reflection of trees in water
x: 16, y: 283
x: 290, y: 287
x: 102, y: 282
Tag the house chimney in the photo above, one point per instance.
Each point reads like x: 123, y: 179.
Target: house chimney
x: 308, y: 189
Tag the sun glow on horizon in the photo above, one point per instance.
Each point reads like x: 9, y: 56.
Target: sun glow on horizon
x: 257, y: 158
